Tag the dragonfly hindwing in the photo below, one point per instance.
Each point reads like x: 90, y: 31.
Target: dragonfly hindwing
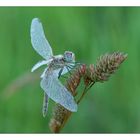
x: 57, y: 92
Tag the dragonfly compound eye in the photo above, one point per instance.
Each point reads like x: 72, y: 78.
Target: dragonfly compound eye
x: 69, y: 56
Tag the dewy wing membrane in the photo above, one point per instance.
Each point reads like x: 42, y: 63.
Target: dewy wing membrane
x: 39, y: 41
x: 57, y: 92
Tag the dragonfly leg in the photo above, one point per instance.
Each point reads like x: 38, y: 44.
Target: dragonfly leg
x: 76, y: 63
x: 60, y: 72
x: 68, y: 68
x: 71, y: 66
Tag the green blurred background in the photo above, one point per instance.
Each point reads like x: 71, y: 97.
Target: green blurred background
x: 111, y: 107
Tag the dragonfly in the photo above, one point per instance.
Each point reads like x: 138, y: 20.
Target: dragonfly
x: 57, y: 65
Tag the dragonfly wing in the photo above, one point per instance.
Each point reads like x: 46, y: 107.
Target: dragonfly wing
x: 57, y: 92
x: 45, y: 104
x: 39, y: 41
x: 43, y: 74
x: 65, y: 70
x: 39, y: 64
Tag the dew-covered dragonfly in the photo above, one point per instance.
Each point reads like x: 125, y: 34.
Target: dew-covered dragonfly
x: 57, y: 65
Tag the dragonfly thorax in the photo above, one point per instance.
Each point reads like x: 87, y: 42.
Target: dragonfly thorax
x: 60, y: 61
x: 57, y: 63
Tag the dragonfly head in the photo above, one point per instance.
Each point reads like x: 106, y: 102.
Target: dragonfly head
x: 69, y: 56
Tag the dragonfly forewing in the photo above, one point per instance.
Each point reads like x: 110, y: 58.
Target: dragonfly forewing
x: 39, y: 41
x: 57, y: 92
x: 39, y: 64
